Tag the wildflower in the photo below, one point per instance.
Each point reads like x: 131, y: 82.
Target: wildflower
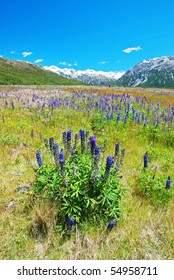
x: 64, y: 135
x: 38, y: 158
x: 117, y: 148
x: 51, y: 143
x: 3, y: 118
x: 69, y: 137
x: 82, y: 137
x: 62, y: 163
x: 145, y: 160
x: 92, y: 144
x: 109, y: 163
x: 96, y: 159
x: 111, y: 225
x: 168, y: 182
x: 70, y: 222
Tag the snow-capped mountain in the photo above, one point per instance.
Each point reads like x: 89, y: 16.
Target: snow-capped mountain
x: 156, y: 72
x: 88, y: 76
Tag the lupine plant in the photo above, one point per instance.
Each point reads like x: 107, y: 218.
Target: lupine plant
x: 83, y: 187
x: 154, y: 186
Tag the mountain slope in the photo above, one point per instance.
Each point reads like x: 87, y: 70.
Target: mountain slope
x: 23, y: 73
x: 156, y: 72
x: 88, y: 76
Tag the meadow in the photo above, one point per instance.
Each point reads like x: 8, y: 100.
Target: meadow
x: 91, y: 142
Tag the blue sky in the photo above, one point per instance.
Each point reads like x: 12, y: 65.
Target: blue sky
x: 97, y: 34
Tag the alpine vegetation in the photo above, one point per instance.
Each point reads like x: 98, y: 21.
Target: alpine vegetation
x: 84, y: 188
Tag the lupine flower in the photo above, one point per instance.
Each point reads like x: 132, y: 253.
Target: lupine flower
x: 62, y: 163
x: 38, y: 158
x: 96, y: 159
x: 92, y: 144
x: 51, y: 143
x: 145, y: 160
x: 111, y: 225
x: 82, y: 137
x: 69, y: 137
x: 3, y: 118
x: 64, y: 135
x: 168, y: 182
x: 109, y: 164
x: 117, y: 149
x: 70, y: 222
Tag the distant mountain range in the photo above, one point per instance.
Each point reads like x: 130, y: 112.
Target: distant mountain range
x: 89, y: 76
x: 156, y: 72
x: 14, y: 72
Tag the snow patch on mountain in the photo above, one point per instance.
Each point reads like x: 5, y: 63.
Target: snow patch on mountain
x: 89, y: 76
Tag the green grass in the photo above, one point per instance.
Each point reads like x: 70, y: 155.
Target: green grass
x: 145, y: 230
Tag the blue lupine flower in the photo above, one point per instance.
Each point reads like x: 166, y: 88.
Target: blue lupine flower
x: 145, y: 160
x: 168, y: 182
x: 93, y: 144
x: 117, y: 148
x: 61, y: 156
x: 38, y: 158
x: 71, y: 222
x: 64, y: 135
x: 109, y: 162
x: 82, y: 137
x: 51, y: 143
x: 111, y: 225
x: 69, y: 137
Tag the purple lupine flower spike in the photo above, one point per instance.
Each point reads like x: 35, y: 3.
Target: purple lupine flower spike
x: 69, y: 137
x: 82, y: 137
x: 109, y: 164
x: 92, y: 144
x: 51, y: 143
x: 168, y: 182
x: 38, y: 158
x: 70, y: 222
x: 117, y: 149
x: 111, y: 225
x: 146, y: 160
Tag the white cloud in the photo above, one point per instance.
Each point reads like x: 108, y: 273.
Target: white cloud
x: 1, y: 55
x: 129, y: 50
x: 12, y: 52
x: 67, y: 63
x: 26, y: 54
x: 38, y: 60
x: 102, y: 62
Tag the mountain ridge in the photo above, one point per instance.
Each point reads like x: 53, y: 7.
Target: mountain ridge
x: 89, y: 76
x: 155, y: 72
x: 14, y: 72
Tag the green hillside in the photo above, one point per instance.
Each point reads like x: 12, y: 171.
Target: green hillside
x: 23, y: 73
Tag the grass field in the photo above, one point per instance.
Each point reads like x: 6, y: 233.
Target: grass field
x: 139, y: 120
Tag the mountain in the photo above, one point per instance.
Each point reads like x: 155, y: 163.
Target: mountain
x: 23, y: 73
x: 156, y: 72
x: 89, y: 76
